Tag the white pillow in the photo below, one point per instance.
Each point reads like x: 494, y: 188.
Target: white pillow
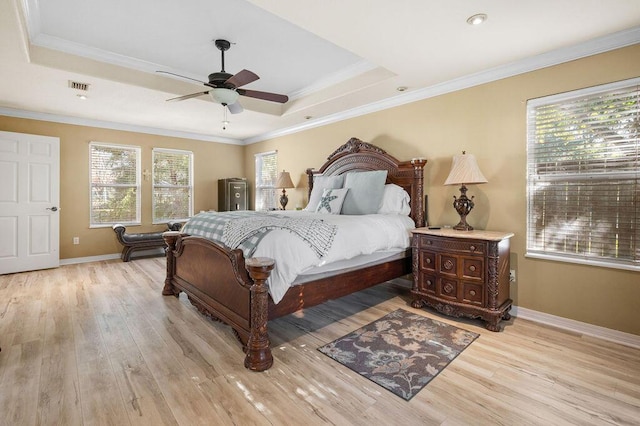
x: 395, y: 200
x: 331, y: 201
x: 366, y: 189
x: 320, y: 183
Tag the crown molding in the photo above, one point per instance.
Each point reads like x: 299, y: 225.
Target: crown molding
x: 31, y: 10
x: 100, y: 55
x: 593, y: 47
x: 55, y: 118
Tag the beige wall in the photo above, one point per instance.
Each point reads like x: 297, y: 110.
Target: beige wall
x: 212, y: 161
x: 488, y: 121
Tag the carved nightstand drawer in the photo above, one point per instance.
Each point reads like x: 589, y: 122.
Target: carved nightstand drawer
x: 448, y: 245
x: 447, y: 288
x: 472, y: 268
x: 427, y: 283
x: 427, y: 261
x: 472, y: 293
x: 448, y: 264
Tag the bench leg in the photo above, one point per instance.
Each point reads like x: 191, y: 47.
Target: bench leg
x: 126, y: 253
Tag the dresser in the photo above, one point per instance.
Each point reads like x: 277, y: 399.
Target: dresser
x: 462, y: 273
x: 232, y: 194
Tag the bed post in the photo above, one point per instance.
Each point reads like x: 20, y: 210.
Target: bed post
x: 417, y: 202
x: 170, y: 237
x: 259, y: 356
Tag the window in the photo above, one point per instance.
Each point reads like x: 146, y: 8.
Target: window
x: 115, y: 184
x: 583, y: 167
x: 266, y: 177
x: 172, y: 185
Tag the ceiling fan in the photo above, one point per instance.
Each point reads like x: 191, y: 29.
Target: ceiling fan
x: 225, y: 87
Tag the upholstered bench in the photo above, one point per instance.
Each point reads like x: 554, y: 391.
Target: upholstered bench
x: 141, y: 240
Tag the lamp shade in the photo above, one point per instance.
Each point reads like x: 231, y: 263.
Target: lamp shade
x: 224, y: 96
x: 464, y: 169
x: 284, y: 180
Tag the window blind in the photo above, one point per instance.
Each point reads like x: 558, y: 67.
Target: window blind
x: 172, y: 185
x: 115, y: 184
x: 266, y: 176
x: 583, y: 167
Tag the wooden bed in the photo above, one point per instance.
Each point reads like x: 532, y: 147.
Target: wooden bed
x: 222, y: 285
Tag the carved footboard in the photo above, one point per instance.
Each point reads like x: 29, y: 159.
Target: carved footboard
x: 216, y: 282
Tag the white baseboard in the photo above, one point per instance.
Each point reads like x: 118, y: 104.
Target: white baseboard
x: 608, y: 334
x: 76, y: 260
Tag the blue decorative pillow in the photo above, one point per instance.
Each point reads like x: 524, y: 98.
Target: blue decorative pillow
x: 331, y: 201
x: 365, y: 192
x: 320, y: 183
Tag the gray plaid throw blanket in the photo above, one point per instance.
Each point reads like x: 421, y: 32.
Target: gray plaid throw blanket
x: 245, y: 229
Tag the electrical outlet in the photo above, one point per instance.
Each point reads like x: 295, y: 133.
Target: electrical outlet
x: 76, y: 240
x: 512, y: 276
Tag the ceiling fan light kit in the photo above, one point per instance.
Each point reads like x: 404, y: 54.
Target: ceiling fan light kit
x: 225, y: 87
x: 224, y: 96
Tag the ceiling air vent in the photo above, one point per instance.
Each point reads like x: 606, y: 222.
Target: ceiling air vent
x: 78, y: 86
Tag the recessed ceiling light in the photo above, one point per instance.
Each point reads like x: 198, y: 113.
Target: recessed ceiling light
x: 82, y: 96
x: 308, y: 117
x: 401, y: 88
x: 477, y: 19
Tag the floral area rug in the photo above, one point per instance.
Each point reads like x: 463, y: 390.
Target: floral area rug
x: 401, y: 351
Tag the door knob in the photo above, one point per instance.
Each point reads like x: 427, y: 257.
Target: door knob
x: 53, y: 209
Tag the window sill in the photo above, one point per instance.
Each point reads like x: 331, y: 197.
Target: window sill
x: 583, y: 261
x: 110, y: 225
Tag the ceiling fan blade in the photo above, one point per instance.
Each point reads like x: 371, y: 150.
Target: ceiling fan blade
x: 235, y: 108
x: 193, y: 95
x: 181, y: 76
x: 273, y: 97
x: 242, y: 78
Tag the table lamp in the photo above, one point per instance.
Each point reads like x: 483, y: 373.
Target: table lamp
x: 284, y: 181
x: 464, y: 170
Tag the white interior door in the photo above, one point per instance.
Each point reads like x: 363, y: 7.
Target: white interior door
x: 29, y: 202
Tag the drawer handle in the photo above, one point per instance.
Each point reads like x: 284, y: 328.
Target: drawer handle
x: 472, y: 292
x: 428, y: 242
x: 428, y: 260
x: 472, y: 248
x: 472, y: 268
x: 448, y: 288
x: 429, y: 283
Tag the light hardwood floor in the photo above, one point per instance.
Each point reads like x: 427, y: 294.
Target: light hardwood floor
x: 97, y: 343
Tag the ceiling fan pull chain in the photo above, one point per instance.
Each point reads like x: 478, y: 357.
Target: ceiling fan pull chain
x: 224, y: 118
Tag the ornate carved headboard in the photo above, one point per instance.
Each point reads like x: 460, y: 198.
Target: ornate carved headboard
x: 356, y: 155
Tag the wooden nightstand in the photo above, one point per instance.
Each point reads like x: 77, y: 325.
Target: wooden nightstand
x: 462, y: 273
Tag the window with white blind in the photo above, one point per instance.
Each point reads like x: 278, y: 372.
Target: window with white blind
x: 266, y: 177
x: 583, y: 166
x: 172, y: 185
x: 115, y: 184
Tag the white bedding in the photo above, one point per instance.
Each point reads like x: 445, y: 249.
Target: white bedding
x: 356, y: 235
